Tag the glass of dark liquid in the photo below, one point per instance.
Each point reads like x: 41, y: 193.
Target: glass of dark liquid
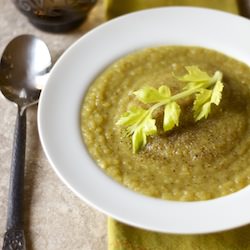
x: 55, y: 15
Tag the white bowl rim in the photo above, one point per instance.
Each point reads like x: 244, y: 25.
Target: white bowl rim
x: 59, y: 111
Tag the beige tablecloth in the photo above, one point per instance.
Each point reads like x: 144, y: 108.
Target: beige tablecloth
x: 55, y: 219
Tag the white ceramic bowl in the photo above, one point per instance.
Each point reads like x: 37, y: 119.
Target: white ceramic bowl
x: 59, y: 115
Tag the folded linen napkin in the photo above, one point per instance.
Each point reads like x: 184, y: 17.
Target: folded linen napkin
x: 124, y: 237
x: 115, y: 8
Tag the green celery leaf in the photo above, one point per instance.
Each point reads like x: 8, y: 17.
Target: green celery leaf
x: 139, y: 140
x: 171, y: 116
x: 132, y: 116
x: 201, y: 98
x: 194, y: 85
x: 139, y: 124
x: 140, y: 133
x: 217, y: 76
x: 149, y: 127
x: 164, y: 91
x: 216, y: 93
x: 195, y: 75
x: 205, y: 110
x: 204, y: 99
x: 145, y: 128
x: 152, y: 95
x: 202, y: 104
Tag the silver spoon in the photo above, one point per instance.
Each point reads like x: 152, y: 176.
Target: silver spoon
x: 23, y: 71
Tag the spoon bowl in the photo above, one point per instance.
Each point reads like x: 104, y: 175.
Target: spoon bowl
x: 24, y: 68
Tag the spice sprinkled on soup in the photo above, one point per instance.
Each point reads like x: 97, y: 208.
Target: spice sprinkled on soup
x: 197, y: 151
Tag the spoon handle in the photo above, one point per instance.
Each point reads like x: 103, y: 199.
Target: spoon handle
x: 14, y: 236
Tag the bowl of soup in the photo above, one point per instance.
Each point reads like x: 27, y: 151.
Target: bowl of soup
x: 186, y: 180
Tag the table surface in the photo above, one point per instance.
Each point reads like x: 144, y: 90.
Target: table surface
x: 55, y: 219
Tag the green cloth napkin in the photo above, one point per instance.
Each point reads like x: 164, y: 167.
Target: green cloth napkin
x: 115, y: 8
x: 124, y: 237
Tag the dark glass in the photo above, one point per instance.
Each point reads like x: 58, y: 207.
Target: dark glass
x: 244, y: 8
x: 55, y: 15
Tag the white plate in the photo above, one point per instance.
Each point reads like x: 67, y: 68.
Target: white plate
x: 59, y: 115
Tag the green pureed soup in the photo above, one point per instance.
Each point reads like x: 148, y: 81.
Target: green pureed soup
x: 194, y: 161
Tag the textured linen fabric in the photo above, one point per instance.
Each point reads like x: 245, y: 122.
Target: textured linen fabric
x: 124, y: 237
x: 115, y: 8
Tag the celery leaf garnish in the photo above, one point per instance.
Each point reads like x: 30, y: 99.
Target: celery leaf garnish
x: 207, y: 90
x: 171, y: 116
x: 194, y: 75
x: 139, y: 124
x: 152, y: 95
